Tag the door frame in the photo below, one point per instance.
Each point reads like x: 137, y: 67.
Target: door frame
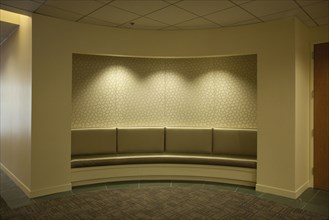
x: 311, y: 118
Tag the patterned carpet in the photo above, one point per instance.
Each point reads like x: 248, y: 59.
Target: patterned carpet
x: 157, y: 203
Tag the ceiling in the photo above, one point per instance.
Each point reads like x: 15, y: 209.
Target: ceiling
x: 7, y: 29
x: 175, y: 14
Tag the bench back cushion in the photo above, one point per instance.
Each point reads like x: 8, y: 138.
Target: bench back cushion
x: 188, y: 140
x: 141, y: 140
x: 93, y: 141
x: 235, y: 142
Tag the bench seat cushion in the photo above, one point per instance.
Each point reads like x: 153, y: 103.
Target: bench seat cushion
x: 188, y: 140
x: 242, y: 142
x: 93, y: 141
x: 141, y: 140
x: 122, y: 159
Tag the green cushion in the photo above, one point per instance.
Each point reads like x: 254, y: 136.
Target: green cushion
x: 93, y: 141
x: 141, y: 140
x: 235, y: 142
x: 188, y: 140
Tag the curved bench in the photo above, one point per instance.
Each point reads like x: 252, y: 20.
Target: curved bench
x: 213, y: 154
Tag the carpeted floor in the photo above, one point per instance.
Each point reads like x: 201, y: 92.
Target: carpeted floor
x: 157, y: 203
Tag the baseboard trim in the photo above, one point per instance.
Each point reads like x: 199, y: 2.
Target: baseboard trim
x: 293, y: 194
x: 302, y: 188
x: 38, y: 192
x: 16, y: 180
x: 50, y: 190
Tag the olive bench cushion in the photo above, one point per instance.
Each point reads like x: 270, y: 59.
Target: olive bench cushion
x: 93, y: 141
x: 154, y: 145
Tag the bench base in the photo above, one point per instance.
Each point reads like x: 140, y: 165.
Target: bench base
x: 211, y: 173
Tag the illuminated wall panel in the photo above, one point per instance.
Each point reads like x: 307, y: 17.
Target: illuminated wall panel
x: 113, y: 91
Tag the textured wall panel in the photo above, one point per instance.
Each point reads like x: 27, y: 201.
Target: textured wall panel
x: 122, y: 91
x: 189, y: 92
x: 235, y: 90
x: 141, y: 92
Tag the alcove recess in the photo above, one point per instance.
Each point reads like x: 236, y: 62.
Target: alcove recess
x: 113, y: 91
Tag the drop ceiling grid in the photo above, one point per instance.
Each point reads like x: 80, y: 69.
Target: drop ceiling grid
x: 318, y: 10
x: 57, y: 13
x: 176, y: 14
x: 23, y: 5
x: 84, y: 8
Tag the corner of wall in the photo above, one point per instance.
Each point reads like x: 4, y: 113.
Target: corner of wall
x: 16, y: 89
x: 319, y: 34
x: 293, y: 194
x: 16, y: 180
x: 302, y: 104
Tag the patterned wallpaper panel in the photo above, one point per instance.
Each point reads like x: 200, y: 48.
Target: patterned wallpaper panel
x: 113, y: 91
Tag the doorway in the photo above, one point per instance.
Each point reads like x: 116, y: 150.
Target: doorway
x: 321, y: 109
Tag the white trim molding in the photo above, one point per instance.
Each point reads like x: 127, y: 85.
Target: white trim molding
x: 293, y: 194
x: 224, y: 174
x: 37, y: 192
x: 16, y: 180
x: 50, y: 190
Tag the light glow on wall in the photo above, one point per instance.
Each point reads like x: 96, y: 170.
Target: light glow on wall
x: 122, y: 91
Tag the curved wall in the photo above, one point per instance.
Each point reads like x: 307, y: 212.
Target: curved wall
x: 113, y: 91
x: 54, y: 42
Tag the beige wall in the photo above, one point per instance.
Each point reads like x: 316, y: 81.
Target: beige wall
x: 319, y: 34
x: 51, y: 104
x: 16, y: 89
x: 275, y: 43
x: 276, y: 106
x: 302, y: 114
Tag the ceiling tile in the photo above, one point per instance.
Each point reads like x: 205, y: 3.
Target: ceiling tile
x: 77, y: 6
x: 307, y: 2
x: 318, y: 10
x: 39, y: 1
x: 261, y: 8
x: 239, y: 2
x: 171, y: 15
x: 22, y: 4
x: 197, y: 23
x: 7, y: 29
x: 105, y: 1
x: 114, y: 15
x: 285, y: 14
x: 171, y: 28
x: 184, y: 14
x: 91, y: 20
x: 144, y: 23
x: 251, y: 21
x: 172, y: 1
x: 230, y: 16
x: 309, y: 23
x: 140, y: 7
x: 322, y: 20
x: 57, y: 13
x: 204, y: 7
